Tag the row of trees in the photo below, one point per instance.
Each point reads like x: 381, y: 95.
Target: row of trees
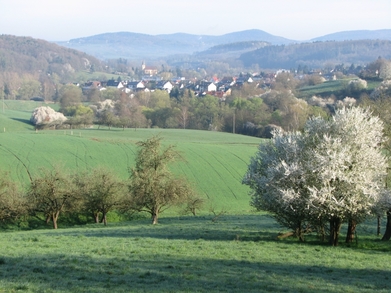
x: 331, y: 173
x: 151, y: 188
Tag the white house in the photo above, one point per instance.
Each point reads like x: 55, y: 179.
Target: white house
x: 212, y: 87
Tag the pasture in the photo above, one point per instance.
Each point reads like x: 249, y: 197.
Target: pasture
x: 235, y: 253
x: 214, y: 162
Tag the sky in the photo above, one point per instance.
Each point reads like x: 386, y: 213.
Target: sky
x: 62, y: 20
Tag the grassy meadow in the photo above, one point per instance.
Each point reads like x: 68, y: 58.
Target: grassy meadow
x: 214, y: 162
x: 235, y: 251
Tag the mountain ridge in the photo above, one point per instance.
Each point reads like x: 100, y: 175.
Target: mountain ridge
x: 139, y: 46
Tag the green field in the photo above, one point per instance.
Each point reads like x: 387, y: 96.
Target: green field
x: 215, y: 162
x: 332, y: 87
x: 236, y: 253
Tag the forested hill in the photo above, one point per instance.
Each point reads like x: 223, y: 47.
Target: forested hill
x: 236, y: 48
x: 318, y: 54
x: 136, y: 46
x: 33, y: 56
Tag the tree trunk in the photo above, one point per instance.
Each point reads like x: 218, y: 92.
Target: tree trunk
x: 351, y: 230
x: 299, y: 232
x: 104, y: 218
x: 155, y: 215
x: 47, y: 219
x: 54, y: 219
x: 335, y: 226
x: 378, y: 225
x: 387, y: 233
x: 96, y: 217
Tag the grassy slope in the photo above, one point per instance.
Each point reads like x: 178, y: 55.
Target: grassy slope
x: 236, y: 253
x: 214, y: 162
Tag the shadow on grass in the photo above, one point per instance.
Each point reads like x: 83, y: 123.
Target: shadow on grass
x: 165, y: 273
x: 241, y: 227
x: 26, y: 121
x: 245, y: 228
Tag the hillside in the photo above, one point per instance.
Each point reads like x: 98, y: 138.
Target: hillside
x: 317, y: 54
x: 215, y: 162
x: 27, y: 55
x: 231, y: 50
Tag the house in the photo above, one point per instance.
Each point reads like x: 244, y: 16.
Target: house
x: 165, y: 85
x: 211, y: 87
x: 136, y: 85
x: 92, y: 85
x: 114, y: 83
x: 149, y: 70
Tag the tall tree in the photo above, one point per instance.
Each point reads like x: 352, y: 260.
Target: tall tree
x: 153, y: 188
x: 70, y: 95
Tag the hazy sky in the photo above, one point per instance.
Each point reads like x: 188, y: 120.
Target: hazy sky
x: 61, y: 20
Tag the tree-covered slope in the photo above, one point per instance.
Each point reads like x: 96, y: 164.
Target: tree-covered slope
x: 317, y: 54
x: 29, y: 55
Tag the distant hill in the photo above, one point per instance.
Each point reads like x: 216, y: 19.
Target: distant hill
x: 317, y: 54
x: 197, y: 49
x: 28, y: 55
x: 231, y: 50
x: 136, y: 46
x: 357, y: 35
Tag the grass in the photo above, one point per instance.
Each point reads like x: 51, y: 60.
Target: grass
x: 214, y: 162
x: 324, y: 89
x: 332, y: 87
x: 236, y: 253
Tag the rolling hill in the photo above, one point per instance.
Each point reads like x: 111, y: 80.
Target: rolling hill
x: 215, y: 162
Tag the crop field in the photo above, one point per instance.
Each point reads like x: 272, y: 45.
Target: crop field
x: 214, y: 162
x: 324, y: 89
x: 234, y: 253
x: 332, y: 87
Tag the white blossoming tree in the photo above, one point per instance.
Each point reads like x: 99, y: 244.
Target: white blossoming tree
x: 331, y: 172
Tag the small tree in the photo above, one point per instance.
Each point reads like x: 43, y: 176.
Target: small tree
x: 51, y: 194
x: 100, y: 191
x: 153, y: 188
x: 12, y: 203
